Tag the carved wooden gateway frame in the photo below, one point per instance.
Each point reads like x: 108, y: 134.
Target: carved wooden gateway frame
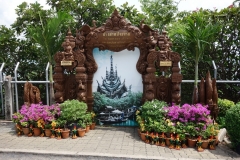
x: 75, y: 66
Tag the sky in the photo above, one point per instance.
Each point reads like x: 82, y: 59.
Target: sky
x: 8, y: 16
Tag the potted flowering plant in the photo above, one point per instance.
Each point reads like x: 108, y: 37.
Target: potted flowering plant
x: 170, y: 127
x: 16, y: 118
x: 37, y: 115
x: 93, y: 117
x: 25, y: 127
x: 152, y: 111
x: 72, y: 111
x: 88, y: 121
x: 82, y: 129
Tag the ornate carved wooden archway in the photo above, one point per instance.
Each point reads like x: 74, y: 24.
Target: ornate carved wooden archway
x: 75, y: 66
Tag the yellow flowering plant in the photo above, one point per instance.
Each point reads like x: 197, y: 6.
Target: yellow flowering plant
x: 40, y: 123
x: 170, y: 126
x: 93, y: 115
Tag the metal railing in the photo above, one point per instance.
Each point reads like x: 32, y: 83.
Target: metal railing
x: 1, y: 90
x: 15, y: 82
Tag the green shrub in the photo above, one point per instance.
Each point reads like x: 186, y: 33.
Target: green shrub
x: 223, y: 105
x: 232, y: 124
x: 72, y: 111
x: 153, y: 114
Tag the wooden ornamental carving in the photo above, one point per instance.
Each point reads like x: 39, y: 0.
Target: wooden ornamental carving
x: 69, y: 70
x: 209, y: 95
x: 31, y: 94
x: 77, y: 65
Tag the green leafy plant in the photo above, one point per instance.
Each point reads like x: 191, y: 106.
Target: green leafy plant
x: 49, y: 37
x: 25, y: 124
x: 232, y: 124
x: 88, y: 119
x: 72, y: 111
x: 152, y: 114
x: 195, y: 36
x: 16, y: 117
x: 170, y: 126
x: 223, y: 105
x: 191, y: 130
x: 210, y: 131
x: 81, y: 123
x: 180, y: 129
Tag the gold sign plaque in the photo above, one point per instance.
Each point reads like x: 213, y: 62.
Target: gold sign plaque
x: 166, y: 63
x: 66, y: 63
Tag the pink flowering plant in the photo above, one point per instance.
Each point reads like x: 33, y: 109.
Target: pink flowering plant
x: 35, y: 112
x: 194, y: 118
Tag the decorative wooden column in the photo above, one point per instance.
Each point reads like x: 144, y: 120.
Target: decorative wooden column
x: 176, y: 78
x: 58, y: 78
x: 150, y: 78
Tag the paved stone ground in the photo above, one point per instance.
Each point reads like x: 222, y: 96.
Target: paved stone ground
x: 101, y: 143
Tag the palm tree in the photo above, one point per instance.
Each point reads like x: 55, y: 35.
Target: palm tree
x: 49, y: 38
x: 195, y: 36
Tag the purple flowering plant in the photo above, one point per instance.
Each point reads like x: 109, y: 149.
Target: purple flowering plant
x: 194, y: 118
x: 188, y: 113
x: 35, y: 112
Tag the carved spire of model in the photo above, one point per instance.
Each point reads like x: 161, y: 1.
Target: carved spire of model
x: 111, y: 84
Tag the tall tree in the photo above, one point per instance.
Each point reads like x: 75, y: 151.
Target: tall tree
x: 84, y: 11
x: 195, y: 36
x: 159, y: 12
x: 131, y: 13
x: 49, y: 37
x: 28, y: 15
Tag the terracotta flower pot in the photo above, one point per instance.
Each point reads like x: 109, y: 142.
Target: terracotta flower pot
x: 192, y: 142
x: 81, y: 132
x: 65, y: 133
x: 36, y: 131
x: 26, y: 131
x: 48, y: 132
x: 168, y: 141
x: 87, y: 128
x: 143, y: 137
x: 205, y: 144
x: 92, y: 126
